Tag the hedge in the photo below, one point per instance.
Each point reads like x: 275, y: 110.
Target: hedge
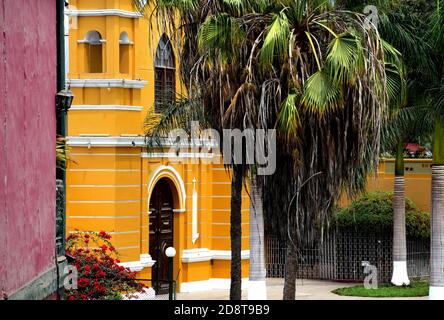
x: 373, y: 213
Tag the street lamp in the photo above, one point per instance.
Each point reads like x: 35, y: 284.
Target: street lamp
x: 170, y: 253
x: 64, y: 100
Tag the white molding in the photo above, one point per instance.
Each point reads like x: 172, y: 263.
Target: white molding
x: 194, y: 224
x: 210, y: 284
x: 103, y: 12
x: 181, y: 155
x: 105, y: 141
x: 106, y: 107
x: 135, y: 266
x: 106, y: 83
x: 204, y: 254
x: 196, y: 255
x: 174, y: 175
x: 126, y: 141
x: 226, y: 254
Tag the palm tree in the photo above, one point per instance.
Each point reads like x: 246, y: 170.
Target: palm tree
x: 257, y: 289
x: 404, y: 125
x: 398, y: 25
x: 436, y: 120
x: 315, y: 72
x: 400, y: 275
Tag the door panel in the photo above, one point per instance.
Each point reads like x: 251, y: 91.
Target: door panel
x: 161, y: 230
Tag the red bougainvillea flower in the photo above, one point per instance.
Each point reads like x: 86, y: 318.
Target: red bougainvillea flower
x: 83, y: 282
x: 100, y: 276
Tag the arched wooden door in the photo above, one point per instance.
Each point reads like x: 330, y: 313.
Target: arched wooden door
x: 161, y: 226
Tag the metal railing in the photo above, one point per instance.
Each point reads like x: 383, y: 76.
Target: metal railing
x: 155, y: 290
x: 341, y: 257
x: 60, y: 218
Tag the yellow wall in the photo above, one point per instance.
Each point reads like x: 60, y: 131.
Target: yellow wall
x: 418, y: 175
x: 108, y: 186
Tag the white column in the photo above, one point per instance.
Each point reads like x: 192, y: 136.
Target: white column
x: 195, y: 235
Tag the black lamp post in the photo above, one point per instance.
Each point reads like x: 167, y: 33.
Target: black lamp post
x: 170, y: 253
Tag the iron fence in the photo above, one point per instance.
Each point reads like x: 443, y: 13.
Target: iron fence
x: 60, y: 218
x: 152, y: 290
x: 342, y: 255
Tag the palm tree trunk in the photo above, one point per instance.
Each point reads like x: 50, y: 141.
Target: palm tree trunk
x: 236, y: 232
x: 400, y: 276
x: 257, y: 289
x: 437, y: 224
x: 290, y: 272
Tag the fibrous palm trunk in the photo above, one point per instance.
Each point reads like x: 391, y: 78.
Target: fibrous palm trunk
x: 257, y: 289
x: 437, y: 224
x: 290, y: 272
x: 236, y: 232
x: 400, y: 275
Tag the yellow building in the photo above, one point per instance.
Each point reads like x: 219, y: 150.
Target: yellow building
x: 147, y: 201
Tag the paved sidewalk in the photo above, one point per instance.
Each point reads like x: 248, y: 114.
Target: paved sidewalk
x: 305, y: 290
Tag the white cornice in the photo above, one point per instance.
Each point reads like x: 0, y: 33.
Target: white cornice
x: 106, y: 107
x: 106, y: 83
x: 180, y: 155
x: 199, y: 255
x: 196, y: 255
x: 106, y: 141
x: 102, y: 13
x: 135, y: 266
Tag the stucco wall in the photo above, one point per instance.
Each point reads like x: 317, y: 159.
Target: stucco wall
x: 27, y: 140
x: 418, y: 179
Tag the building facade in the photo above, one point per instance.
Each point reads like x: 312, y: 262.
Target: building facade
x: 28, y: 86
x: 120, y: 70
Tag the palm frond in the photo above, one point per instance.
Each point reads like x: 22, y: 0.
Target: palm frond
x: 342, y: 58
x: 288, y: 121
x: 276, y: 40
x: 320, y: 94
x: 220, y: 35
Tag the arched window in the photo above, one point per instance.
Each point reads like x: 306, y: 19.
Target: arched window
x: 165, y: 74
x: 93, y: 52
x: 125, y: 43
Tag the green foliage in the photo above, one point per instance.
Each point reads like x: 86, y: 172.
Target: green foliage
x: 373, y: 212
x: 276, y: 41
x: 62, y: 153
x: 415, y: 289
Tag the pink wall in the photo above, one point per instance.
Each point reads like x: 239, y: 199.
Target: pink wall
x: 27, y: 140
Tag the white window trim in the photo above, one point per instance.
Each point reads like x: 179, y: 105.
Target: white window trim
x: 135, y: 266
x: 104, y: 12
x: 106, y: 83
x: 107, y: 107
x: 204, y: 254
x: 125, y: 141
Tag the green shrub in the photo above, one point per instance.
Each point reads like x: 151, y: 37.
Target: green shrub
x: 373, y: 213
